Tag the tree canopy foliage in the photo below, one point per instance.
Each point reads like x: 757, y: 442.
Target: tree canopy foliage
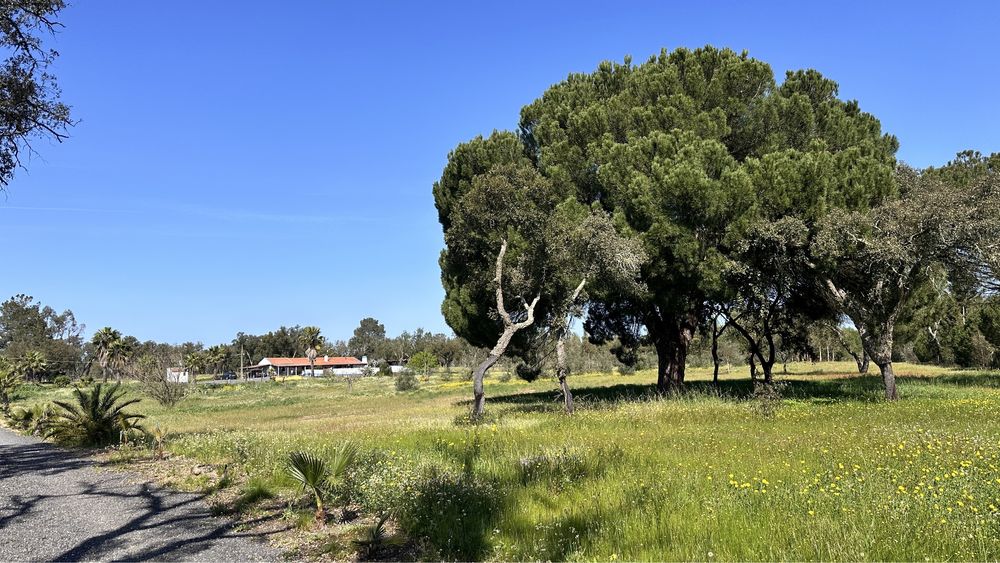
x: 689, y: 152
x: 30, y: 106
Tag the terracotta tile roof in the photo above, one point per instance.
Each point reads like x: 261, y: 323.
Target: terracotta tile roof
x: 321, y: 361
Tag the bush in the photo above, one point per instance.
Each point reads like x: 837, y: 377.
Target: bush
x: 151, y: 371
x: 97, y: 417
x: 384, y: 369
x: 405, y: 381
x: 452, y: 512
x: 35, y: 420
x: 62, y: 381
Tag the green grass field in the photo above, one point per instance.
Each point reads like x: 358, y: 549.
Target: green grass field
x: 829, y: 472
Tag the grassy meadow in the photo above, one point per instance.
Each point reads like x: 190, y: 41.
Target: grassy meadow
x: 827, y: 471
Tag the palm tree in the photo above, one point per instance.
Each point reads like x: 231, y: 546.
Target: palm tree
x: 194, y: 362
x: 312, y: 340
x: 96, y: 417
x: 102, y: 341
x: 118, y: 356
x: 10, y: 380
x: 217, y: 357
x: 314, y: 474
x: 32, y: 363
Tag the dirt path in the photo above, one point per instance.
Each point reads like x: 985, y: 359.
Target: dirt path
x: 55, y: 505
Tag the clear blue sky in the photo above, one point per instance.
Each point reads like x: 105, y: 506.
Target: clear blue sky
x: 239, y: 166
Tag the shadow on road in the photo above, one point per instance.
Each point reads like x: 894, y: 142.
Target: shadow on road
x: 146, y: 522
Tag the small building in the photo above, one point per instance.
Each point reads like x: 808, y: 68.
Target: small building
x: 178, y: 375
x: 322, y: 365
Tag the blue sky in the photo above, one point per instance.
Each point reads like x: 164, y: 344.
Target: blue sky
x: 240, y: 169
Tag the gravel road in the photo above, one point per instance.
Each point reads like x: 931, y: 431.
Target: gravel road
x: 56, y: 506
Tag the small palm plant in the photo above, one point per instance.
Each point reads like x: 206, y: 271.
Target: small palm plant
x: 96, y: 417
x: 159, y: 436
x: 316, y: 475
x: 374, y: 537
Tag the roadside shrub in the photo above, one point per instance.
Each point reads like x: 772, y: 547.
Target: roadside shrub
x: 380, y: 484
x: 96, y: 417
x: 34, y: 420
x: 453, y: 513
x: 405, y: 381
x: 62, y: 381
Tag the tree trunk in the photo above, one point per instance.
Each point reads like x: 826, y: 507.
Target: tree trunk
x: 863, y: 363
x: 562, y: 370
x: 889, y: 380
x: 479, y: 394
x: 509, y: 328
x: 878, y: 344
x: 664, y: 364
x: 715, y: 357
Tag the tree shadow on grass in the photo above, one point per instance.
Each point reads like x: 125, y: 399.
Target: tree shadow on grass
x: 857, y: 388
x: 864, y: 388
x: 970, y: 379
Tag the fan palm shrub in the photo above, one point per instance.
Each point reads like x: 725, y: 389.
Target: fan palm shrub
x: 316, y: 475
x: 95, y: 417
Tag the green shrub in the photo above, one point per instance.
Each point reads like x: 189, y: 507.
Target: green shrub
x: 97, y: 417
x: 62, y: 381
x: 405, y: 381
x: 34, y: 420
x: 453, y: 513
